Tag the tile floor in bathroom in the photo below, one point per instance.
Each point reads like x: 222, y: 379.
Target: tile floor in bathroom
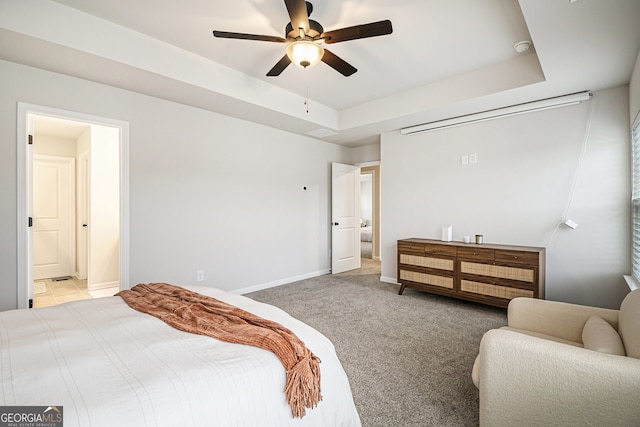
x: 57, y: 292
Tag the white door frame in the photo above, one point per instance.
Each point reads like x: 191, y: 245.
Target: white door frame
x: 83, y: 215
x: 24, y: 237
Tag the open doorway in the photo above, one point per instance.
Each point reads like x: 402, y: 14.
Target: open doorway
x: 74, y: 194
x: 370, y: 211
x: 366, y: 215
x: 75, y: 166
x: 370, y: 218
x: 369, y: 198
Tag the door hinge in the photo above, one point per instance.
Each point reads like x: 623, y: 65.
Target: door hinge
x: 30, y: 221
x: 30, y: 139
x: 31, y: 303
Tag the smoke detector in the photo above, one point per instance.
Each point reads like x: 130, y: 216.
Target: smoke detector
x: 522, y: 46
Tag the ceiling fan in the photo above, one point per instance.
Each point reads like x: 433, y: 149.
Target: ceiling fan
x: 305, y: 37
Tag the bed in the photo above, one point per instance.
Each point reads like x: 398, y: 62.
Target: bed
x: 107, y: 364
x: 365, y: 234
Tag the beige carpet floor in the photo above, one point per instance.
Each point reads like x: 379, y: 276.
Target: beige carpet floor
x: 408, y: 357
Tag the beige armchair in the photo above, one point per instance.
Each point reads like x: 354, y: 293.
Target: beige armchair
x: 561, y: 364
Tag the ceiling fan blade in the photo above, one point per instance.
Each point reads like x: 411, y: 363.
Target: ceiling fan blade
x: 298, y: 13
x: 338, y: 64
x: 280, y: 66
x: 243, y: 36
x: 373, y: 29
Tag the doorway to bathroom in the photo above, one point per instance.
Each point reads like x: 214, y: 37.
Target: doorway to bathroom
x: 73, y: 192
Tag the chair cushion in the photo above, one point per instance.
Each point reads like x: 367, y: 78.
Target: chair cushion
x: 599, y: 335
x: 629, y: 323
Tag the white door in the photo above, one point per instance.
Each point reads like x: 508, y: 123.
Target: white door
x: 345, y: 213
x: 53, y: 216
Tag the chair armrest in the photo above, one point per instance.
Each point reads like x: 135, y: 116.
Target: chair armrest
x: 526, y: 380
x: 558, y: 319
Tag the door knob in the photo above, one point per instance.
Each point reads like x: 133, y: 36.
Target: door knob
x: 336, y: 223
x: 84, y: 225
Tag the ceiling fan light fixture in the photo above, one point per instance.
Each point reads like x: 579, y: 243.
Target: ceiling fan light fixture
x: 305, y: 53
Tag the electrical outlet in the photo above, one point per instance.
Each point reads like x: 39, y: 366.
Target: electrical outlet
x: 200, y: 275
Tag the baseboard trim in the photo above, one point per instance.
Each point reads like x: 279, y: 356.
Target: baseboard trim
x: 389, y: 280
x: 280, y: 282
x: 98, y: 286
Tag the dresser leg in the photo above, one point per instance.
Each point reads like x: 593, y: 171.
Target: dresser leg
x: 402, y: 286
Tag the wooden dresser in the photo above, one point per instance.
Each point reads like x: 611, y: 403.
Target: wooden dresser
x: 489, y: 274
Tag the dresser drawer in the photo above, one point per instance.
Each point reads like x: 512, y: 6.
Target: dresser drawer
x: 498, y: 271
x: 444, y: 250
x: 416, y: 248
x: 427, y: 262
x: 427, y: 279
x: 476, y: 254
x: 517, y: 257
x: 493, y: 290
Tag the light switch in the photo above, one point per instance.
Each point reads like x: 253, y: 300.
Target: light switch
x: 473, y: 158
x: 465, y: 159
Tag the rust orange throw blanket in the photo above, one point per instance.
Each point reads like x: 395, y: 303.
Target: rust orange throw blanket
x: 199, y: 314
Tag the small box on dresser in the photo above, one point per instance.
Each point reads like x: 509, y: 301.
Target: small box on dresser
x: 489, y: 274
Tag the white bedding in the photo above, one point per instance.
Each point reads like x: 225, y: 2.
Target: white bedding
x: 366, y: 234
x: 109, y: 365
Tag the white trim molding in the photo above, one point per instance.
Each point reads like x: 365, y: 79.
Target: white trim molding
x: 631, y: 282
x: 513, y: 110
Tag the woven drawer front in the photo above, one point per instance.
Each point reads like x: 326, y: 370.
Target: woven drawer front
x: 420, y: 261
x: 429, y: 279
x: 511, y: 273
x: 494, y: 290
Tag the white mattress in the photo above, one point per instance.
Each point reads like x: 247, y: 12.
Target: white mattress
x: 109, y: 365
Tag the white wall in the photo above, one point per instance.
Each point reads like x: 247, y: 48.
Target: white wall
x: 213, y: 193
x: 53, y: 145
x: 520, y: 189
x: 207, y: 192
x: 104, y: 210
x: 366, y: 154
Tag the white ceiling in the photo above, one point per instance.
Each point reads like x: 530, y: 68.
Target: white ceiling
x: 58, y: 127
x: 444, y: 57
